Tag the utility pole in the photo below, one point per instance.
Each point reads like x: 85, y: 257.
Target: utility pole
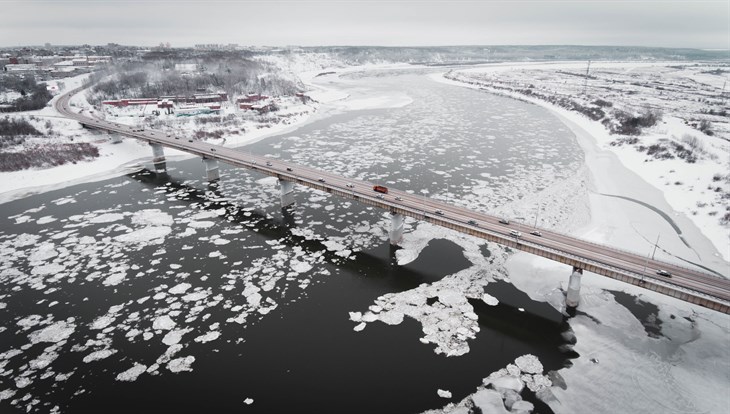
x: 585, y: 83
x: 655, y: 246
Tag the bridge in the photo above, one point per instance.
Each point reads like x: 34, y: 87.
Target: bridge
x: 685, y: 284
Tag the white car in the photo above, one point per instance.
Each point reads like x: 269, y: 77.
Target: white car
x: 515, y: 233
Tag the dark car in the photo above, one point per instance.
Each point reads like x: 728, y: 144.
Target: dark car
x: 504, y: 221
x: 320, y: 179
x: 289, y: 169
x: 472, y: 222
x: 439, y: 212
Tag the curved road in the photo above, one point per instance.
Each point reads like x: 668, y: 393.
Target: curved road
x: 686, y: 284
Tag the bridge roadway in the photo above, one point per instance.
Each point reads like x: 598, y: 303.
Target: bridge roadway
x: 685, y: 284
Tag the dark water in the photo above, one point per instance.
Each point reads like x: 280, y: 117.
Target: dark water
x: 300, y: 353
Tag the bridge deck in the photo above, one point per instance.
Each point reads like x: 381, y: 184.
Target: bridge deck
x: 685, y: 284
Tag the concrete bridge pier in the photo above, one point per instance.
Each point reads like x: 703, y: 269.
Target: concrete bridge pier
x: 158, y: 156
x: 287, y: 193
x: 211, y: 169
x: 396, y: 228
x: 572, y: 298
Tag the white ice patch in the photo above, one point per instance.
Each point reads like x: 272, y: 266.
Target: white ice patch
x: 201, y: 224
x: 210, y: 336
x: 490, y: 300
x: 45, y: 220
x: 115, y: 278
x: 180, y: 289
x: 181, y: 364
x: 443, y: 393
x: 154, y: 234
x: 163, y: 322
x: 529, y: 363
x: 300, y: 267
x: 57, y: 332
x: 132, y: 373
x: 174, y: 337
x: 152, y: 217
x: 95, y: 356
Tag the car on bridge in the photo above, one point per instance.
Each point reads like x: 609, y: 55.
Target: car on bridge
x: 515, y: 233
x: 320, y: 179
x: 662, y: 272
x: 268, y: 163
x: 504, y: 221
x: 398, y: 198
x: 472, y: 222
x: 536, y: 233
x: 439, y: 212
x: 289, y: 169
x: 350, y: 185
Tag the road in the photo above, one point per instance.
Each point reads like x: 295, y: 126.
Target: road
x: 686, y: 284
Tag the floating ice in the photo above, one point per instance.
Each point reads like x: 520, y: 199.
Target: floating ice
x: 201, y: 224
x: 146, y: 234
x: 300, y: 267
x: 174, y: 337
x: 115, y: 278
x: 95, y: 356
x: 30, y: 321
x: 180, y: 289
x: 132, y: 373
x: 490, y: 300
x: 529, y: 363
x: 489, y: 401
x: 22, y: 382
x: 163, y: 322
x: 247, y: 401
x: 45, y: 220
x: 53, y: 333
x: 210, y: 336
x: 181, y: 364
x: 152, y: 217
x: 102, y: 322
x: 443, y: 393
x: 43, y: 360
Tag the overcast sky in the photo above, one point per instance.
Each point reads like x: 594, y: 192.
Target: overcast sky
x: 698, y: 24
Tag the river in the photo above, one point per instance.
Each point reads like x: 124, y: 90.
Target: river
x: 159, y: 292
